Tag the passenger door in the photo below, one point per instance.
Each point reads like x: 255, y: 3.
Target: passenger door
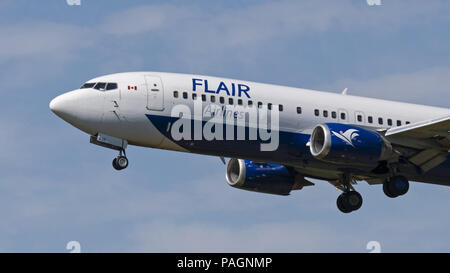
x: 155, y: 93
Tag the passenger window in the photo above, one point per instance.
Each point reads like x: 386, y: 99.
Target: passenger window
x: 175, y: 94
x: 239, y: 101
x: 343, y: 116
x: 359, y: 117
x: 203, y: 97
x: 194, y: 96
x: 333, y: 114
x: 299, y: 110
x: 100, y: 86
x: 380, y: 121
x: 111, y: 86
x: 259, y: 104
x: 408, y: 122
x: 88, y: 85
x: 213, y: 98
x: 250, y: 103
x: 222, y: 100
x: 185, y: 95
x: 390, y: 122
x: 316, y: 112
x: 370, y: 119
x: 325, y: 113
x: 230, y: 101
x: 269, y: 106
x: 399, y: 123
x: 280, y: 107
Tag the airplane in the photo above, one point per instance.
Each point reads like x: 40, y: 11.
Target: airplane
x: 277, y: 138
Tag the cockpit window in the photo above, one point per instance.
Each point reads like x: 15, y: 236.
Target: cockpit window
x: 111, y: 86
x: 88, y: 85
x: 100, y: 86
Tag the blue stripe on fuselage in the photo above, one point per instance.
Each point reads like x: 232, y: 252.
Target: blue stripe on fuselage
x: 292, y: 150
x: 291, y: 145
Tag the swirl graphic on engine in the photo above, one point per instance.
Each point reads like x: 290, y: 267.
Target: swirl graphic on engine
x: 347, y: 136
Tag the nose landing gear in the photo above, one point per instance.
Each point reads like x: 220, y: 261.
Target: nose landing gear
x: 121, y: 161
x: 118, y: 144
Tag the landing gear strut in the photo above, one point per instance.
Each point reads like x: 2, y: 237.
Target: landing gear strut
x: 121, y: 161
x: 396, y: 186
x: 350, y: 200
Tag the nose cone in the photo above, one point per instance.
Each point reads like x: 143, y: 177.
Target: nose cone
x: 64, y: 106
x: 57, y: 106
x: 81, y: 108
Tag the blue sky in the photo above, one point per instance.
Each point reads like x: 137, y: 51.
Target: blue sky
x: 55, y: 187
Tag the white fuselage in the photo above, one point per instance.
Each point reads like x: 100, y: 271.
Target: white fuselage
x: 124, y: 112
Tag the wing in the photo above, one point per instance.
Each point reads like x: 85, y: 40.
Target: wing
x: 425, y: 144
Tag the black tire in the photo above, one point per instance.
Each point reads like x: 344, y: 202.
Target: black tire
x: 354, y: 200
x: 114, y: 163
x: 396, y: 186
x: 399, y: 185
x: 342, y: 204
x: 387, y: 190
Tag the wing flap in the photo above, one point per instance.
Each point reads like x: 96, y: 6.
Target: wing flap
x: 424, y: 156
x: 430, y: 138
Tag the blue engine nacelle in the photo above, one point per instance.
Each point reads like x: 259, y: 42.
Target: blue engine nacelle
x: 347, y: 144
x: 261, y: 177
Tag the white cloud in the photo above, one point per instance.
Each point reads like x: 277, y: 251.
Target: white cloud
x: 427, y: 86
x: 137, y: 20
x: 292, y: 236
x: 263, y: 21
x: 31, y: 40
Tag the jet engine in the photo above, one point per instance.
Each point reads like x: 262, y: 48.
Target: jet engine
x: 347, y: 144
x: 263, y: 177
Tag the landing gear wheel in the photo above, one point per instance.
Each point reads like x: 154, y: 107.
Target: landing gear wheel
x: 114, y: 163
x: 396, y: 186
x: 342, y: 204
x: 387, y: 191
x: 354, y: 200
x: 349, y: 201
x: 120, y: 163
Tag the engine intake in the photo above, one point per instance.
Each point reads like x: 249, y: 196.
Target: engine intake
x: 347, y: 144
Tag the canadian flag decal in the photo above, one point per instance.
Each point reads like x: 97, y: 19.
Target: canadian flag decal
x: 132, y: 87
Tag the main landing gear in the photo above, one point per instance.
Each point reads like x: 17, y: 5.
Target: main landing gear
x: 396, y: 186
x: 121, y: 161
x: 350, y: 200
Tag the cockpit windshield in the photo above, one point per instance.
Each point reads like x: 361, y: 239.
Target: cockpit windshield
x: 102, y: 86
x: 88, y: 85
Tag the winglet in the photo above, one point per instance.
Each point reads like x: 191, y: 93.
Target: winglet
x: 344, y: 92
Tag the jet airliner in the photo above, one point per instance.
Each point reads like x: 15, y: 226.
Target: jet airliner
x: 277, y: 138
